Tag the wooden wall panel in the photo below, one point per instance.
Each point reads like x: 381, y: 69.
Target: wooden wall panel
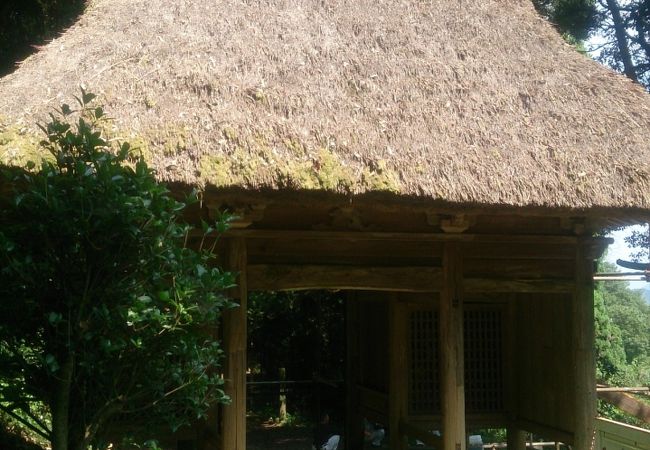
x: 519, y: 250
x: 293, y: 250
x: 542, y: 361
x: 500, y: 268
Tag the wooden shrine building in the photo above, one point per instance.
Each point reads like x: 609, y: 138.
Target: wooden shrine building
x: 448, y: 162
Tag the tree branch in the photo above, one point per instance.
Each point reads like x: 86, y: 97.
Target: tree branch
x: 621, y: 38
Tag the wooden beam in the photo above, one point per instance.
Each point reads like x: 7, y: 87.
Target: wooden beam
x: 548, y: 432
x: 601, y: 388
x: 398, y: 377
x: 451, y: 346
x: 295, y: 277
x: 374, y: 404
x: 504, y: 239
x: 235, y: 340
x: 518, y: 248
x: 353, y: 418
x: 550, y: 286
x: 625, y: 402
x: 510, y: 370
x: 583, y: 350
x: 519, y: 268
x: 289, y: 250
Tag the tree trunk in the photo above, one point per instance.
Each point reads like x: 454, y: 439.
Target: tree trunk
x: 621, y: 39
x: 61, y: 406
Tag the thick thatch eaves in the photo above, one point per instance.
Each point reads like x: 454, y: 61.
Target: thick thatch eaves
x: 462, y: 101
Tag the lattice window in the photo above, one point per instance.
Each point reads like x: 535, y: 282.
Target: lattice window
x: 483, y: 336
x: 483, y: 360
x: 424, y: 393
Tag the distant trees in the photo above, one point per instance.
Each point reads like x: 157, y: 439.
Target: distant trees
x: 622, y: 338
x: 619, y: 31
x: 302, y: 331
x: 623, y: 333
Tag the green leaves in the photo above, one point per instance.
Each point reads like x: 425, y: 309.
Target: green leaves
x: 95, y: 272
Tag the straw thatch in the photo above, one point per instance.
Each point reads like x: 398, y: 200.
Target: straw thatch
x: 465, y: 101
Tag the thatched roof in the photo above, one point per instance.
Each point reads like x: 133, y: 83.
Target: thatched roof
x: 462, y: 101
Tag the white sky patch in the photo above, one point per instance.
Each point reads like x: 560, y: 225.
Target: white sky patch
x: 620, y: 250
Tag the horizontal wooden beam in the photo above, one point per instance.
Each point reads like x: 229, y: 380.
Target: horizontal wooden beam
x: 622, y: 389
x: 401, y: 236
x: 295, y: 250
x: 550, y: 286
x: 278, y: 277
x: 283, y: 277
x: 519, y: 268
x: 625, y: 402
x: 547, y: 431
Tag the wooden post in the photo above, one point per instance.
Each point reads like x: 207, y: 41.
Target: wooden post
x: 516, y: 438
x: 398, y: 377
x: 235, y: 343
x: 282, y: 376
x: 353, y: 419
x: 451, y: 350
x: 584, y: 369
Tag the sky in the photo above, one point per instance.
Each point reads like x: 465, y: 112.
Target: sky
x: 619, y: 250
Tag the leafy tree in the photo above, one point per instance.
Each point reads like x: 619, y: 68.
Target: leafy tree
x: 302, y: 331
x: 104, y: 310
x: 610, y: 354
x: 622, y: 339
x: 577, y: 18
x: 24, y: 23
x: 623, y: 332
x: 620, y: 28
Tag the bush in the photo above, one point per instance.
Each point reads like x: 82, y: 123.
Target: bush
x: 104, y: 311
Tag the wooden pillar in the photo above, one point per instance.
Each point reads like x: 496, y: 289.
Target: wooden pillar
x: 235, y: 343
x: 353, y: 418
x: 584, y: 368
x: 398, y: 376
x: 516, y: 438
x: 451, y: 350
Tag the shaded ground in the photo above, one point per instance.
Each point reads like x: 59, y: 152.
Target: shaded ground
x: 267, y: 435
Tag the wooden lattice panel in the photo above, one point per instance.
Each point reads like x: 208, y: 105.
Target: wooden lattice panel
x: 483, y: 340
x: 424, y: 393
x: 483, y: 360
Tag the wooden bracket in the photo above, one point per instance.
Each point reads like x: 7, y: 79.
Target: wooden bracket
x: 344, y: 218
x: 242, y: 215
x: 455, y: 224
x: 575, y: 225
x: 433, y: 217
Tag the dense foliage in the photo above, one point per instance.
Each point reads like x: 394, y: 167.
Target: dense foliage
x: 622, y: 338
x: 103, y: 309
x: 618, y: 31
x: 26, y: 23
x: 302, y: 331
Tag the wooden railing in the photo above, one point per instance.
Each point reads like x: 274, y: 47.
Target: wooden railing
x: 611, y: 435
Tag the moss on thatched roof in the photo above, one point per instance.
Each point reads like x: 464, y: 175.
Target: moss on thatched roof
x: 473, y: 101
